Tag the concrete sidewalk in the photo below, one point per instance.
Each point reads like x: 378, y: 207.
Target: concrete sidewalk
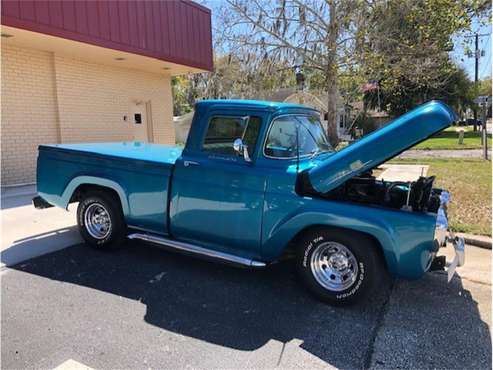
x: 28, y: 232
x: 465, y: 153
x: 402, y: 172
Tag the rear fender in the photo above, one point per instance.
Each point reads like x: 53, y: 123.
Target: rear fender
x: 63, y: 200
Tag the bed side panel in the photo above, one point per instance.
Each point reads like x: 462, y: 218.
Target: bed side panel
x: 142, y: 186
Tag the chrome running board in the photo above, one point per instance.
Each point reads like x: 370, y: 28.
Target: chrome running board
x: 186, y: 247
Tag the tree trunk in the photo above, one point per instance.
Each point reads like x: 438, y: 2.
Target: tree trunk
x: 332, y: 109
x: 331, y: 77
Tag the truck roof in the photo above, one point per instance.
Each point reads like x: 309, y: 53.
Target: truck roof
x: 259, y: 104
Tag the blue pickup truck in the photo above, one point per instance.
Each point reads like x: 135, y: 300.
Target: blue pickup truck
x: 258, y: 182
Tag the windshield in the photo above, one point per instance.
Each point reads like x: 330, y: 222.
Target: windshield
x: 313, y: 125
x: 293, y: 135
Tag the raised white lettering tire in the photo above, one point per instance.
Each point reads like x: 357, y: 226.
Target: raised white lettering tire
x: 100, y: 220
x: 338, y: 266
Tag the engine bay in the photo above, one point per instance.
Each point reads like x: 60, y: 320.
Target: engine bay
x: 418, y: 196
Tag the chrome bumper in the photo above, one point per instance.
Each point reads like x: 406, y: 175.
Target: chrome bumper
x: 460, y: 255
x: 442, y: 236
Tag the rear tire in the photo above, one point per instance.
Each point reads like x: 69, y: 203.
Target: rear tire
x: 339, y: 267
x: 100, y: 220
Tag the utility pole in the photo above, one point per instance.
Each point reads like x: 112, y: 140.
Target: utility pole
x: 485, y: 132
x: 477, y: 54
x: 484, y: 102
x: 476, y: 72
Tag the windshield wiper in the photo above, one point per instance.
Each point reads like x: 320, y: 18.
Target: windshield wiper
x: 314, y: 152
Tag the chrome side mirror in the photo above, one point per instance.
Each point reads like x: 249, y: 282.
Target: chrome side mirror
x: 241, y: 149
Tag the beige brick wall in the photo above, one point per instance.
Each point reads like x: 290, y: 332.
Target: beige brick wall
x: 93, y: 99
x: 29, y: 113
x: 49, y: 98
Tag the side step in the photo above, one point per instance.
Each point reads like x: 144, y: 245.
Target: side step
x: 195, y: 249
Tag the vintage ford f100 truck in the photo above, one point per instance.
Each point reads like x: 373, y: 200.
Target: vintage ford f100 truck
x: 257, y: 182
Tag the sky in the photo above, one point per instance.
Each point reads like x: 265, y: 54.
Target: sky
x: 458, y: 55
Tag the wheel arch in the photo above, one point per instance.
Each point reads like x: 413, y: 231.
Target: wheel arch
x: 279, y: 241
x: 291, y: 245
x: 81, y: 184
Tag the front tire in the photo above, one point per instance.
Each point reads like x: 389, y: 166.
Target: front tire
x: 339, y: 267
x: 100, y: 220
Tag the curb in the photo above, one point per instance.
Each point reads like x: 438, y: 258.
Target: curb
x: 477, y: 240
x: 8, y: 192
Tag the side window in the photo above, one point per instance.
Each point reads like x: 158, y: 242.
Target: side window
x: 281, y: 141
x: 223, y: 131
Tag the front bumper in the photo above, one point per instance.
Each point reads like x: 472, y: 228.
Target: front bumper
x: 444, y: 236
x: 460, y: 256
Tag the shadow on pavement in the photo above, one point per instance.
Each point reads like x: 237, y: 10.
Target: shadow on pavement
x: 242, y: 309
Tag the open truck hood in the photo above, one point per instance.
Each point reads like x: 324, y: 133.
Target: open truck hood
x: 381, y: 145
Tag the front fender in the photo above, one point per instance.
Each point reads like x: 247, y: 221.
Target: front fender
x: 406, y: 238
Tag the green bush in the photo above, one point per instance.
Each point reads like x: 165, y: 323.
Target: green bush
x: 366, y: 123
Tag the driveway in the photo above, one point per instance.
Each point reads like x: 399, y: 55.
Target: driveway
x: 27, y: 232
x: 142, y: 307
x: 466, y: 153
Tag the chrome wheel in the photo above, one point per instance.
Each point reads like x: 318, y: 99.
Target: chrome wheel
x: 334, y: 266
x: 97, y: 221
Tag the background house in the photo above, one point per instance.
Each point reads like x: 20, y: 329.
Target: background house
x: 75, y: 71
x: 381, y: 118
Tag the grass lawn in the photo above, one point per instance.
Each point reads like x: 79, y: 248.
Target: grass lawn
x: 469, y: 183
x: 449, y: 139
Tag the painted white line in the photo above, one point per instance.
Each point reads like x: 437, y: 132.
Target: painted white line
x: 72, y: 365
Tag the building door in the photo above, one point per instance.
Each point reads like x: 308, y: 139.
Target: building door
x: 138, y: 120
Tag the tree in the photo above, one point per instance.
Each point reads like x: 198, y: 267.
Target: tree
x: 484, y: 87
x: 457, y: 91
x: 319, y: 35
x: 232, y: 77
x: 406, y: 52
x: 180, y: 86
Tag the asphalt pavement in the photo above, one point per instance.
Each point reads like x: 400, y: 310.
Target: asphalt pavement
x: 142, y: 307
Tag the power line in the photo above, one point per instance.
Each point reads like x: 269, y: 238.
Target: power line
x: 477, y: 34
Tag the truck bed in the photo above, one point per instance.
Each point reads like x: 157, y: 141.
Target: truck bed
x: 132, y: 150
x: 138, y: 172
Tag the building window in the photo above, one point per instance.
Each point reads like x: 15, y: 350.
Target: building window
x: 138, y: 118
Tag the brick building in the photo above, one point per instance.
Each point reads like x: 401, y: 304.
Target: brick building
x: 87, y: 71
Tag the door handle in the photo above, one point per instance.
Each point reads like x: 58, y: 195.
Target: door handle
x: 190, y: 163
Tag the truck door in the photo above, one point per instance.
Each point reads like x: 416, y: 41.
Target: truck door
x: 217, y: 196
